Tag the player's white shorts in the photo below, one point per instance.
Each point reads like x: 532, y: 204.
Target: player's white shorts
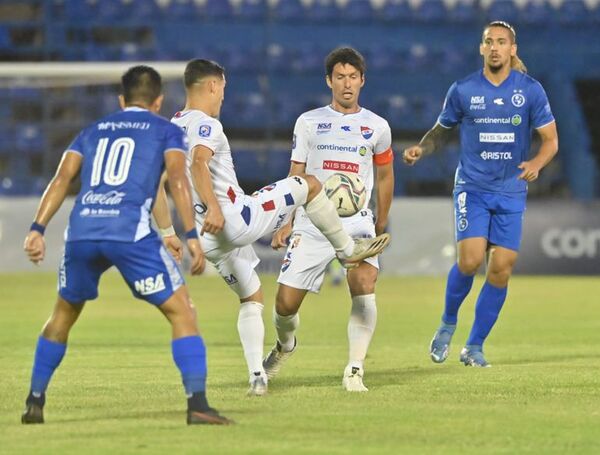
x: 309, y: 252
x: 247, y: 219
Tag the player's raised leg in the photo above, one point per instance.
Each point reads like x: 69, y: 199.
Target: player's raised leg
x: 50, y: 350
x: 323, y: 214
x: 189, y: 354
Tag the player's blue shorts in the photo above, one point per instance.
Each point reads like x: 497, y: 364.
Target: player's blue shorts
x: 496, y: 216
x: 149, y: 270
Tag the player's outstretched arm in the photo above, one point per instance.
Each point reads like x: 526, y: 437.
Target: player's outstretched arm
x: 214, y: 219
x: 162, y: 217
x: 549, y: 147
x: 175, y: 163
x: 53, y: 197
x: 385, y: 194
x: 433, y: 140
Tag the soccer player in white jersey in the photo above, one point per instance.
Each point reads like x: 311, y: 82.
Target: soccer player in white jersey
x: 340, y: 137
x: 230, y: 221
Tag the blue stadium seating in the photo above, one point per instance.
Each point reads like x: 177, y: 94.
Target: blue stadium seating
x: 288, y: 11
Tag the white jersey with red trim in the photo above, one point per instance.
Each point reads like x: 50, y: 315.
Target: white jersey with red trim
x: 328, y: 141
x: 205, y: 130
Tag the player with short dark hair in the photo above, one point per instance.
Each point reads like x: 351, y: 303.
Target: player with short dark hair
x: 230, y: 221
x: 121, y: 158
x: 341, y: 137
x: 497, y: 108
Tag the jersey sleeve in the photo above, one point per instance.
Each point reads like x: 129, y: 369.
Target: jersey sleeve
x: 452, y: 112
x: 382, y: 152
x: 540, y: 113
x: 77, y: 145
x: 205, y: 132
x: 300, y: 141
x: 176, y: 139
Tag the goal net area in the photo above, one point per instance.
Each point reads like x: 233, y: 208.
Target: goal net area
x: 44, y: 105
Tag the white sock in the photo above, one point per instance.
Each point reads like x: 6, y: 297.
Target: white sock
x: 286, y: 328
x: 252, y: 334
x: 361, y: 326
x: 321, y: 211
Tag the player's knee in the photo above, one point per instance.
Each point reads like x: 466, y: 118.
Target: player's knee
x: 469, y: 264
x: 314, y: 186
x: 285, y: 307
x: 499, y: 274
x: 362, y: 283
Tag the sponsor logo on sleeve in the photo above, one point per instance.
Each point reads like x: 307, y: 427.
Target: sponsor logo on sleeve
x: 204, y: 130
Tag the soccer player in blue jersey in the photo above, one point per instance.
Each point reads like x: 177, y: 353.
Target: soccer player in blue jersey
x: 121, y: 159
x: 497, y: 108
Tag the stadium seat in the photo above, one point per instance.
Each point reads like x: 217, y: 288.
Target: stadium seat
x: 308, y: 58
x: 253, y: 10
x: 80, y: 11
x: 573, y: 12
x: 29, y: 138
x: 381, y: 57
x: 112, y: 10
x: 463, y: 12
x: 502, y: 10
x: 537, y: 12
x: 146, y: 11
x: 288, y: 11
x: 357, y: 11
x: 182, y: 10
x: 431, y: 12
x: 277, y: 164
x: 396, y: 11
x: 5, y: 41
x: 323, y: 11
x: 218, y: 9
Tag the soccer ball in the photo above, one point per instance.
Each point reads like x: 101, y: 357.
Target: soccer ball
x: 347, y: 192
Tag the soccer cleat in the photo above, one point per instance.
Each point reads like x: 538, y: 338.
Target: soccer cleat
x: 472, y: 355
x: 34, y: 409
x: 208, y: 417
x: 440, y: 344
x: 353, y: 379
x: 363, y: 249
x: 275, y: 359
x: 33, y: 414
x: 258, y: 384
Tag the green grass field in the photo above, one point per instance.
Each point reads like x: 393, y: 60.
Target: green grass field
x: 117, y: 390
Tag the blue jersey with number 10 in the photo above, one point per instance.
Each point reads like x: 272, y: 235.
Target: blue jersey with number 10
x: 495, y: 129
x: 123, y: 159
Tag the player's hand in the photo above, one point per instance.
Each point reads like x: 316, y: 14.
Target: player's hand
x: 174, y: 246
x: 281, y: 236
x: 198, y: 259
x: 213, y: 221
x: 412, y: 154
x: 35, y: 247
x: 530, y: 171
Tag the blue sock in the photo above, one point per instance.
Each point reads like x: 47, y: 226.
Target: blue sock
x: 457, y: 288
x: 48, y: 355
x: 189, y: 355
x: 487, y: 309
